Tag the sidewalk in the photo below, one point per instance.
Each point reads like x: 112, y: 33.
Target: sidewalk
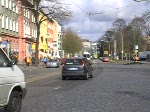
x: 24, y: 66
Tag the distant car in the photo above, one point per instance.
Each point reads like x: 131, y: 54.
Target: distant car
x: 105, y: 59
x: 52, y: 63
x: 77, y: 67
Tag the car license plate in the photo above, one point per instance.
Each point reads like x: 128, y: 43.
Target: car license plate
x: 73, y: 68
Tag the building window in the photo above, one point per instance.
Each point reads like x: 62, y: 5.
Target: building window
x: 46, y: 41
x: 7, y: 3
x: 3, y: 21
x: 7, y: 22
x: 24, y: 12
x: 10, y: 21
x: 42, y: 39
x: 16, y: 26
x: 35, y: 33
x: 10, y: 5
x: 14, y: 7
x: 3, y: 2
x: 29, y: 14
x: 32, y: 33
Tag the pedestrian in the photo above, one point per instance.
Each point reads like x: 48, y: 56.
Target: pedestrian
x: 28, y: 61
x: 45, y: 60
x: 33, y: 60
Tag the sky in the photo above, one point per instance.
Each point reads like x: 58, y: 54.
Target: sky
x: 91, y: 18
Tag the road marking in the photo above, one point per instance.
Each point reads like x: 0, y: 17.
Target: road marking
x: 48, y: 82
x: 57, y: 88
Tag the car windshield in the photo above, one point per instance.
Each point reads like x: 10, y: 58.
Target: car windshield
x: 73, y: 62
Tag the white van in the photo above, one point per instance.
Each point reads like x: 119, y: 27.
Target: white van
x: 12, y: 84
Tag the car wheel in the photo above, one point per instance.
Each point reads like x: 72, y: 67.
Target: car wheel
x: 86, y: 76
x: 14, y: 104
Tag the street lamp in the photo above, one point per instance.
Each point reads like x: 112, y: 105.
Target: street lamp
x: 121, y: 40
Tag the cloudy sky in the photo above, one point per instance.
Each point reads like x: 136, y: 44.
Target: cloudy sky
x: 102, y: 14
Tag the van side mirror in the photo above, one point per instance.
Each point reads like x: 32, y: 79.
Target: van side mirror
x: 13, y: 62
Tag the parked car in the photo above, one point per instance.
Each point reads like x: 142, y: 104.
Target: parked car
x: 105, y: 59
x: 12, y: 84
x: 52, y: 63
x: 77, y: 67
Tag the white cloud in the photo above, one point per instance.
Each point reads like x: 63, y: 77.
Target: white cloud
x: 109, y: 11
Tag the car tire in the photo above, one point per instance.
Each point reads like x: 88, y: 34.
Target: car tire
x: 15, y: 102
x: 86, y: 76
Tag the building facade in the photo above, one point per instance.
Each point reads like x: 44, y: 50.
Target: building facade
x: 57, y: 40
x: 18, y: 30
x: 9, y: 30
x: 86, y: 45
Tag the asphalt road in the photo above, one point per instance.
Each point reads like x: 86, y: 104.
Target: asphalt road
x: 114, y: 88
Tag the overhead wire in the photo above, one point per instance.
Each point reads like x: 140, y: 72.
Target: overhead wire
x: 79, y: 7
x: 102, y: 12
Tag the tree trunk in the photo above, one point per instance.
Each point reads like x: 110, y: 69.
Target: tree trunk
x: 37, y: 46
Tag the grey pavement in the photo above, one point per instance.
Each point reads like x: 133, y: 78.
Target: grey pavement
x: 24, y: 66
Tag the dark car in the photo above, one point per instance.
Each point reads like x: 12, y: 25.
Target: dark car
x: 77, y: 67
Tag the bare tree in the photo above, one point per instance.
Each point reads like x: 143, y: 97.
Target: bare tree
x: 54, y: 9
x: 146, y: 16
x: 119, y: 24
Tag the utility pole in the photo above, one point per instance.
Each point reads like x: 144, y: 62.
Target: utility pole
x: 122, y: 44
x: 115, y: 50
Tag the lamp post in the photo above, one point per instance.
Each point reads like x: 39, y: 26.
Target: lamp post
x: 122, y: 41
x: 122, y: 45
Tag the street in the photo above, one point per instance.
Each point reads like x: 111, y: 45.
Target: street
x: 114, y: 88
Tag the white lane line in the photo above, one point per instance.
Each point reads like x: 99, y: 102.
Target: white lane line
x: 48, y: 82
x: 58, y: 87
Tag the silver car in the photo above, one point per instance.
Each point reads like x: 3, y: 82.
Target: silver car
x: 52, y: 63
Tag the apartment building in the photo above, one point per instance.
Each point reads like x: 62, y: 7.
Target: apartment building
x: 50, y: 37
x: 27, y: 29
x: 57, y: 40
x: 86, y: 45
x: 9, y: 25
x: 18, y: 30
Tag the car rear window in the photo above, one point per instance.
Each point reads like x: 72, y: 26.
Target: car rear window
x: 73, y: 62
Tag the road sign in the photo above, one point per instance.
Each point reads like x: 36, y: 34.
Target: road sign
x: 105, y: 52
